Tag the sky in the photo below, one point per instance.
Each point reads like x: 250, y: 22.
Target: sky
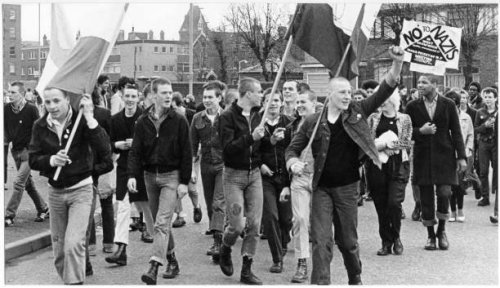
x: 165, y: 15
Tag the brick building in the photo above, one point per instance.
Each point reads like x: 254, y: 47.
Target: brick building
x: 11, y: 22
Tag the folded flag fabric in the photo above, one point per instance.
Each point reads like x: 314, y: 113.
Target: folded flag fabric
x: 325, y: 30
x: 82, y: 36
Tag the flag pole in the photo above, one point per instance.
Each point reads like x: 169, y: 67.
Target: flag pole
x: 70, y: 140
x: 277, y: 78
x: 323, y: 109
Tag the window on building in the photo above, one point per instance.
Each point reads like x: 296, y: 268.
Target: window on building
x: 12, y: 52
x: 155, y: 49
x: 22, y: 55
x: 12, y: 33
x: 22, y: 71
x: 183, y: 67
x: 30, y: 70
x: 140, y: 67
x: 32, y: 55
x: 163, y: 68
x: 155, y: 68
x: 171, y: 49
x: 164, y: 49
x: 12, y: 68
x: 43, y: 54
x: 171, y: 68
x: 12, y: 15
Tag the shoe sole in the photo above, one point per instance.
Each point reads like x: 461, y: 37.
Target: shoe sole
x: 147, y: 280
x: 430, y: 248
x: 120, y: 263
x: 168, y: 276
x: 299, y: 280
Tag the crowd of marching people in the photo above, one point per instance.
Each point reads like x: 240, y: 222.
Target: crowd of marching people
x: 280, y: 164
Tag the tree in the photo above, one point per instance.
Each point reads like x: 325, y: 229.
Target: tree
x: 257, y: 25
x: 219, y: 39
x: 478, y: 22
x: 393, y: 15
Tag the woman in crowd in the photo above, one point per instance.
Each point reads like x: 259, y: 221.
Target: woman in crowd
x: 392, y: 131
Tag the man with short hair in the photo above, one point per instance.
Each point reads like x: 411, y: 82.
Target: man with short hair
x: 116, y: 103
x: 204, y: 131
x: 240, y: 136
x: 301, y: 191
x: 71, y: 195
x: 19, y: 117
x: 343, y: 139
x: 437, y: 154
x: 476, y: 101
x: 290, y: 92
x: 162, y: 149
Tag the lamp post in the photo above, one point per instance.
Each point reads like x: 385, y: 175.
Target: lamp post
x: 239, y: 67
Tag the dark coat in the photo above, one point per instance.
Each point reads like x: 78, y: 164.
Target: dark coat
x: 434, y: 156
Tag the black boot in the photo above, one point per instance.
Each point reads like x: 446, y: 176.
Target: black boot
x: 398, y: 247
x: 120, y: 255
x: 301, y: 272
x: 355, y: 280
x: 172, y: 267
x: 225, y: 262
x: 247, y: 276
x: 136, y: 224
x: 217, y: 246
x: 150, y: 276
x: 385, y: 250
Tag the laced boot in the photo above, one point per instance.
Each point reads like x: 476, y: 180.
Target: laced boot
x: 172, y: 267
x: 301, y: 273
x: 120, y: 255
x: 225, y: 262
x: 150, y: 277
x: 247, y: 276
x: 217, y: 246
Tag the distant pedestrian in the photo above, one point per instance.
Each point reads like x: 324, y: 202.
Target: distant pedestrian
x: 19, y: 117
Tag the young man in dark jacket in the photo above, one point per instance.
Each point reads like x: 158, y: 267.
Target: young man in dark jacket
x: 240, y: 136
x: 162, y: 149
x: 342, y: 139
x: 71, y: 195
x: 437, y: 153
x: 19, y: 117
x: 277, y: 215
x: 204, y: 132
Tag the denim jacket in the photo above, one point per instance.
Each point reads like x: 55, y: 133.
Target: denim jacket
x: 205, y: 133
x: 354, y: 120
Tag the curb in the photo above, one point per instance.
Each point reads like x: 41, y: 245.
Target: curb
x: 31, y: 244
x: 27, y: 245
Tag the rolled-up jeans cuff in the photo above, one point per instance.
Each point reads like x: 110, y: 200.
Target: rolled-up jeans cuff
x: 428, y: 223
x: 157, y: 259
x: 442, y: 216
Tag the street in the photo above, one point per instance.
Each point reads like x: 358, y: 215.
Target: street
x: 471, y: 260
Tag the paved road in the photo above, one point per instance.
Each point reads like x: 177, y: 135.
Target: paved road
x: 471, y: 260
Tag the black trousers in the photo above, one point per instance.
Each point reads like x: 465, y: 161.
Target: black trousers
x: 276, y: 216
x: 387, y: 186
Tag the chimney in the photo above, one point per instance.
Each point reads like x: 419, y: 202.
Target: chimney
x: 132, y: 28
x: 150, y: 35
x: 162, y: 35
x: 45, y: 42
x: 121, y: 36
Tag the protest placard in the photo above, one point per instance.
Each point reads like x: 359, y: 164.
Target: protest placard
x: 430, y: 48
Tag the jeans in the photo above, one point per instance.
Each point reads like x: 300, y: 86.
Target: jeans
x: 108, y: 222
x: 457, y: 198
x: 70, y: 212
x: 487, y: 154
x: 122, y: 220
x: 243, y: 193
x: 276, y: 217
x: 338, y: 205
x: 23, y: 180
x: 162, y: 196
x: 193, y: 194
x: 301, y: 189
x: 429, y: 211
x: 211, y: 176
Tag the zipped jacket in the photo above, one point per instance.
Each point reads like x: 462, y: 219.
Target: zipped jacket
x: 205, y: 133
x: 45, y: 143
x: 239, y: 150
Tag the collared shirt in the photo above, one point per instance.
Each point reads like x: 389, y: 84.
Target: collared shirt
x: 430, y: 106
x: 56, y: 125
x: 19, y: 108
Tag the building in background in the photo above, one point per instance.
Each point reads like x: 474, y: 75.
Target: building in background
x: 11, y: 21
